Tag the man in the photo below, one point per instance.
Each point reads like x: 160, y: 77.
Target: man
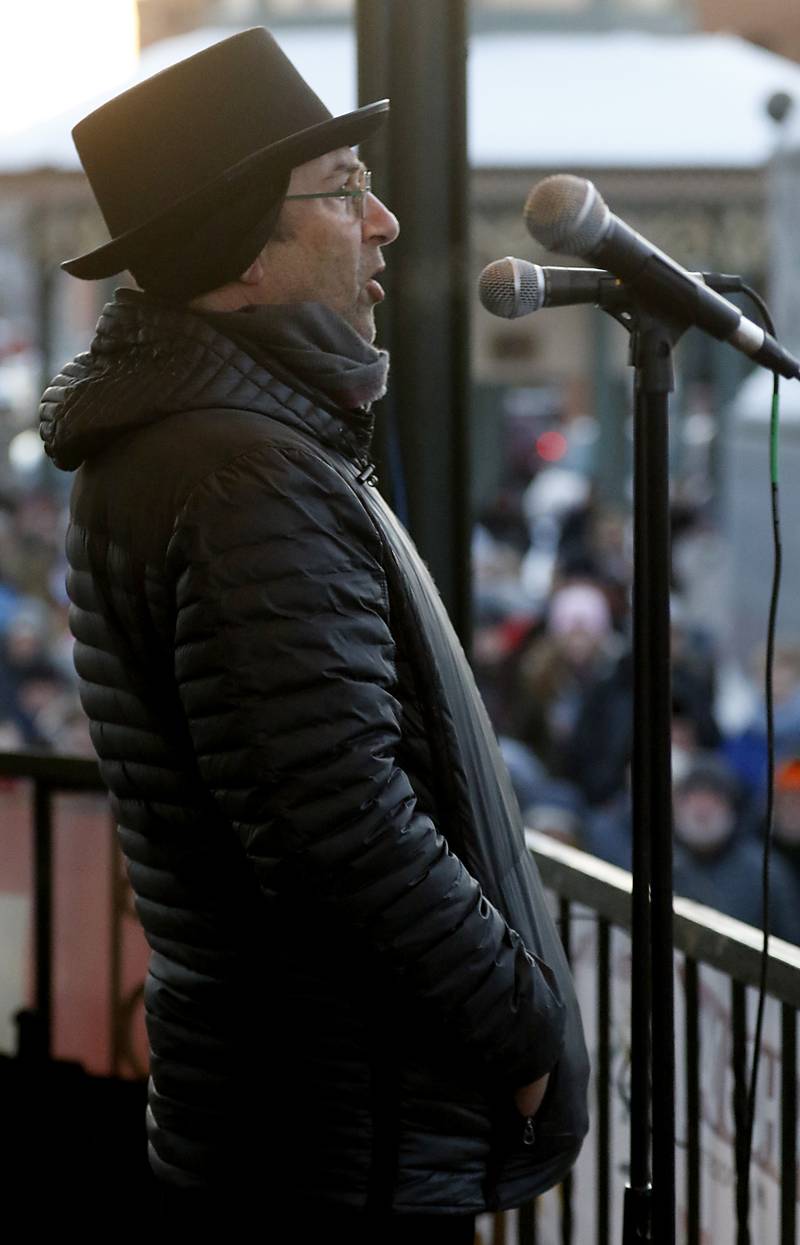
x: 345, y: 1026
x: 718, y: 861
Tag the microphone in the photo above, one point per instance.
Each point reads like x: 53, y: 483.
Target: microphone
x: 514, y: 287
x: 567, y: 214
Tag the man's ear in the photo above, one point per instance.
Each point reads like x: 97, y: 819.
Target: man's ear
x: 253, y: 274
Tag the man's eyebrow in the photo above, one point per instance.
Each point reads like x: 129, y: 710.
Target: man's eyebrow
x: 344, y: 166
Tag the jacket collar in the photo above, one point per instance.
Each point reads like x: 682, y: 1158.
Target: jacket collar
x: 149, y: 360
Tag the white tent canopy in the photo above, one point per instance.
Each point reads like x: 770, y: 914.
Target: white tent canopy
x: 621, y: 99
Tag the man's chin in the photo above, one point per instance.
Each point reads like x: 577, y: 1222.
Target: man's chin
x: 364, y: 325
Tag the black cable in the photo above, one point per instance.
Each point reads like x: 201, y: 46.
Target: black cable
x: 747, y: 1145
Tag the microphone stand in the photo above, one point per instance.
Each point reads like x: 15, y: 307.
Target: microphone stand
x: 649, y: 1208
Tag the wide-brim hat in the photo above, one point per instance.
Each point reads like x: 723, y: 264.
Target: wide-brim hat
x: 204, y: 132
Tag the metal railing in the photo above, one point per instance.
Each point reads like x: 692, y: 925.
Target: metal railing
x: 705, y: 942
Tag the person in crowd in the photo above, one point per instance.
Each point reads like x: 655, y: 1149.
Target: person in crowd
x: 559, y: 668
x: 30, y: 682
x: 746, y: 750
x: 526, y: 772
x: 716, y: 861
x: 360, y: 1017
x: 557, y: 809
x: 503, y: 621
x: 608, y: 830
x: 786, y: 844
x: 598, y: 752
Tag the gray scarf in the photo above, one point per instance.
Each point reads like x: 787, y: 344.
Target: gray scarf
x: 310, y: 344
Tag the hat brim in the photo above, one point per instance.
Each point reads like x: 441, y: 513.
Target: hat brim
x: 345, y: 131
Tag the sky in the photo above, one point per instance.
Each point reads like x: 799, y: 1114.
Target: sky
x: 55, y: 52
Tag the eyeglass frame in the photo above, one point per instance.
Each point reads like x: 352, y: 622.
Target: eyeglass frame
x: 360, y: 194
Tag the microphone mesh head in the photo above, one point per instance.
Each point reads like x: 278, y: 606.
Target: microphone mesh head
x: 511, y: 287
x: 566, y: 214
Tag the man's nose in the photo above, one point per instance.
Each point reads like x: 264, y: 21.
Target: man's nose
x: 380, y: 225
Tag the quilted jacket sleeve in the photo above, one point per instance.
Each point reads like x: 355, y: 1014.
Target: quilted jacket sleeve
x: 284, y: 662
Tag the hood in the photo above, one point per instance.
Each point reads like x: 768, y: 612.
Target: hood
x: 149, y: 360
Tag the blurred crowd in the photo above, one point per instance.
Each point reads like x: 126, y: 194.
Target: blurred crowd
x: 39, y: 705
x: 552, y: 655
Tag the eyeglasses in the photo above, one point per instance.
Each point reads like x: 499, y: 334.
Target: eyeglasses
x: 357, y: 194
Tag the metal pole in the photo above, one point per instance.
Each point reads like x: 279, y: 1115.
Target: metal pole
x: 650, y: 1211
x: 415, y: 53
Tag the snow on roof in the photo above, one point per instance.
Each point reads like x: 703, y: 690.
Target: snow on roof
x: 624, y: 99
x: 544, y: 100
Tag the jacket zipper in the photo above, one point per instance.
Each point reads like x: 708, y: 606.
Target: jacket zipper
x: 529, y: 1132
x: 368, y: 474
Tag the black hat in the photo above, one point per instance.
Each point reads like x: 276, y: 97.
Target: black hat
x: 217, y: 132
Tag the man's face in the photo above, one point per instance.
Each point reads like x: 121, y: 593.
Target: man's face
x: 704, y: 818
x: 322, y: 251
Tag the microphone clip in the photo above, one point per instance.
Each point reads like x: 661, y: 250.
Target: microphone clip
x: 617, y: 299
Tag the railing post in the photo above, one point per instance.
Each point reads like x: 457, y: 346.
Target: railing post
x: 788, y: 1125
x: 603, y: 1191
x: 740, y: 1110
x: 692, y: 1036
x: 565, y: 923
x: 43, y: 913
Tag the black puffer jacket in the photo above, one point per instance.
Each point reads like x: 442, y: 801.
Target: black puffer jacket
x: 306, y: 788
